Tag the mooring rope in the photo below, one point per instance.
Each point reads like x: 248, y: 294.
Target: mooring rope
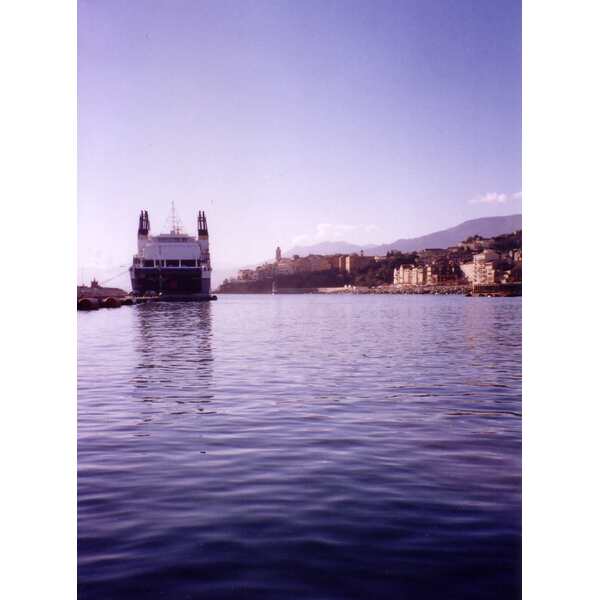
x: 114, y: 276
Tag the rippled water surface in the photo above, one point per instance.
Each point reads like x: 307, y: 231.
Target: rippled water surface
x: 304, y: 446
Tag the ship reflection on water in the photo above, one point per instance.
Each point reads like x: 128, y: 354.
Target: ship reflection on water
x: 174, y: 360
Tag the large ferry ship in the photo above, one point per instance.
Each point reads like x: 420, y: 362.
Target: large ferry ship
x: 174, y: 265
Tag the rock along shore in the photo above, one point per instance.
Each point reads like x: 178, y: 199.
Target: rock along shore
x: 500, y: 290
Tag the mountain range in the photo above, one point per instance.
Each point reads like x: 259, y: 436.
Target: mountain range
x: 486, y: 227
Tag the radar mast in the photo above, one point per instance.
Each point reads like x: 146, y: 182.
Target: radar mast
x: 176, y: 228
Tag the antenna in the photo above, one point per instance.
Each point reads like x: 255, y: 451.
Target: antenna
x: 176, y: 228
x: 173, y: 218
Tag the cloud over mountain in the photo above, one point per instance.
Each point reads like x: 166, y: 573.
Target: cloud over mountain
x: 332, y: 232
x: 496, y: 198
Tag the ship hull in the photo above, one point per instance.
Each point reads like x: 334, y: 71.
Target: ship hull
x: 173, y: 283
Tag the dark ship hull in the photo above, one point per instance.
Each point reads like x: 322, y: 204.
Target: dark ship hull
x: 172, y: 282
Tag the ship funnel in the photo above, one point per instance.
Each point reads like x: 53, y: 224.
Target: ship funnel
x: 202, y: 224
x: 144, y: 224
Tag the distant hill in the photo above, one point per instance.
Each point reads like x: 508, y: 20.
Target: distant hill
x: 328, y: 248
x: 219, y: 274
x: 486, y: 227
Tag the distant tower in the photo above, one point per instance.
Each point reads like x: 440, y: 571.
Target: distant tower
x: 278, y: 254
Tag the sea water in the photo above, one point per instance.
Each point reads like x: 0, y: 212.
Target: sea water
x: 301, y: 446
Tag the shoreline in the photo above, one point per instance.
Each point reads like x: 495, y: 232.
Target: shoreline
x: 496, y: 290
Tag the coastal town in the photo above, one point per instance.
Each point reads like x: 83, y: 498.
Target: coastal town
x: 490, y: 266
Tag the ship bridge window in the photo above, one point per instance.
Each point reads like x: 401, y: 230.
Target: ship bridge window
x: 172, y: 263
x: 188, y: 263
x: 148, y: 263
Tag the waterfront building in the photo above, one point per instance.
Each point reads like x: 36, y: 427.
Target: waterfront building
x: 285, y: 266
x: 354, y: 262
x: 444, y: 271
x: 516, y: 274
x: 264, y: 272
x: 405, y: 275
x: 333, y: 261
x: 468, y: 271
x: 420, y: 275
x: 315, y: 263
x: 438, y: 272
x: 484, y: 268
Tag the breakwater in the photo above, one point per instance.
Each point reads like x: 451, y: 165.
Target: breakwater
x: 95, y: 296
x: 96, y: 302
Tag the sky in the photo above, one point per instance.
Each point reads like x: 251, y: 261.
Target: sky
x: 294, y: 122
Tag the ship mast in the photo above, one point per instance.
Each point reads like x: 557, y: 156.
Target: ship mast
x: 176, y: 227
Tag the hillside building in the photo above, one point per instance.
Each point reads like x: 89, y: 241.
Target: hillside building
x: 247, y: 275
x: 431, y: 253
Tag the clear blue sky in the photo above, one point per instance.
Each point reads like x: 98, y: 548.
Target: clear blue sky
x: 294, y: 121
